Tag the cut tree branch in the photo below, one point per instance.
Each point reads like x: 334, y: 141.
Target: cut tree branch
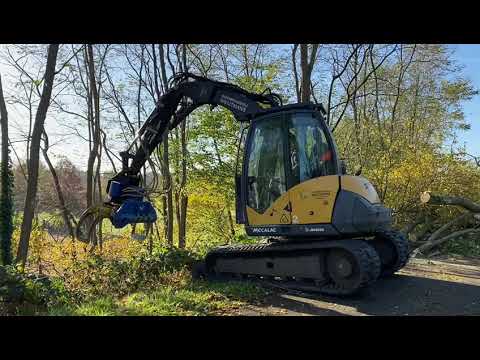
x: 431, y: 244
x: 433, y: 199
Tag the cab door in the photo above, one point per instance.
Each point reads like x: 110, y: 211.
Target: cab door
x: 313, y: 175
x: 267, y: 199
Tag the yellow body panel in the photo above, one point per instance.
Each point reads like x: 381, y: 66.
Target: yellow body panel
x: 361, y: 186
x: 274, y: 215
x: 313, y: 200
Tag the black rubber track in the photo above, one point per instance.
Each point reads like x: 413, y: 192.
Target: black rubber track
x: 402, y: 249
x: 368, y: 262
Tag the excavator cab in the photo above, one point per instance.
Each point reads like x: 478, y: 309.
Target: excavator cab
x: 290, y: 182
x: 279, y: 150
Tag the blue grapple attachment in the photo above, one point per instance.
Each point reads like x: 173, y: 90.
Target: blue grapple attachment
x: 133, y: 209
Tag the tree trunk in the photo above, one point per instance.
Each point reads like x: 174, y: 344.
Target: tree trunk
x: 166, y: 163
x: 435, y: 239
x: 95, y: 125
x: 38, y: 128
x: 182, y: 225
x: 295, y: 72
x: 305, y: 91
x: 157, y: 91
x: 6, y: 198
x: 306, y: 67
x: 61, y: 200
x: 168, y: 187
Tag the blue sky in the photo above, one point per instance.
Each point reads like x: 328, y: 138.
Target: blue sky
x: 469, y: 57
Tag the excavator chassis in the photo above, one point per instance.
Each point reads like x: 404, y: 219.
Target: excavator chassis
x: 331, y: 267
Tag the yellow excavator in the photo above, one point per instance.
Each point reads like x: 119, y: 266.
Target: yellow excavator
x: 325, y: 231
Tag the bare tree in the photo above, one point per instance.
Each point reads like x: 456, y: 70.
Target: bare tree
x: 94, y: 112
x: 66, y: 214
x: 303, y: 84
x: 168, y: 209
x: 38, y: 129
x: 181, y: 196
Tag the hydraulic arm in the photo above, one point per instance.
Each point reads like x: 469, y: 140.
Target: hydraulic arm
x: 125, y: 201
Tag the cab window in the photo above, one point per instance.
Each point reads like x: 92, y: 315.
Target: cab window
x: 266, y: 171
x: 310, y: 153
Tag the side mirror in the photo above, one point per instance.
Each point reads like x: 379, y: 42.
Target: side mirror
x: 343, y: 167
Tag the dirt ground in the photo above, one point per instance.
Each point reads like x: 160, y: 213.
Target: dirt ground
x: 447, y: 286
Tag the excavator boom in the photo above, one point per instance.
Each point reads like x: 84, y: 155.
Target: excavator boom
x: 125, y: 202
x: 190, y: 92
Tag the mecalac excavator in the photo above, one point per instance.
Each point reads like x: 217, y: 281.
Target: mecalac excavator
x: 327, y: 231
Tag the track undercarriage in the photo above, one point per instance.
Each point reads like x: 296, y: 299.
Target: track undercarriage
x: 332, y: 267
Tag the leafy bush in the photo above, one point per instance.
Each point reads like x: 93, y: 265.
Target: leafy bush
x: 468, y: 245
x: 100, y: 276
x: 20, y: 291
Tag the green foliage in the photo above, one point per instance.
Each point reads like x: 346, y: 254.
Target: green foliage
x: 195, y: 299
x: 37, y: 83
x: 157, y: 284
x: 398, y: 136
x: 25, y: 293
x: 468, y: 246
x: 99, y: 276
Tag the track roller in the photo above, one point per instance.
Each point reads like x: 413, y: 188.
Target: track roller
x: 351, y: 270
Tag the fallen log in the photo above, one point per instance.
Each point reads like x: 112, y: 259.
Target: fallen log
x: 440, y: 231
x: 432, y: 199
x: 431, y: 244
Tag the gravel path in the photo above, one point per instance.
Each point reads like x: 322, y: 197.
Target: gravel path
x: 423, y: 287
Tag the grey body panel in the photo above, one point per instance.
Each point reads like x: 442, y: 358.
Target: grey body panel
x: 353, y: 214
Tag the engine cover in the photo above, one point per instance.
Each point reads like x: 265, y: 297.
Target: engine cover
x: 134, y: 212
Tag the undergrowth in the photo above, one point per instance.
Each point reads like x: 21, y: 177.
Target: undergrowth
x: 102, y: 284
x: 467, y: 246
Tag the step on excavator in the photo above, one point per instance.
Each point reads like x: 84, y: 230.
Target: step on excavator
x: 325, y: 231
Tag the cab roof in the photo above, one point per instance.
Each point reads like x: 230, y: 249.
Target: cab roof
x: 290, y: 108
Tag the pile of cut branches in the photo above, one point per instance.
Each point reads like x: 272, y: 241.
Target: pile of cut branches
x: 465, y: 224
